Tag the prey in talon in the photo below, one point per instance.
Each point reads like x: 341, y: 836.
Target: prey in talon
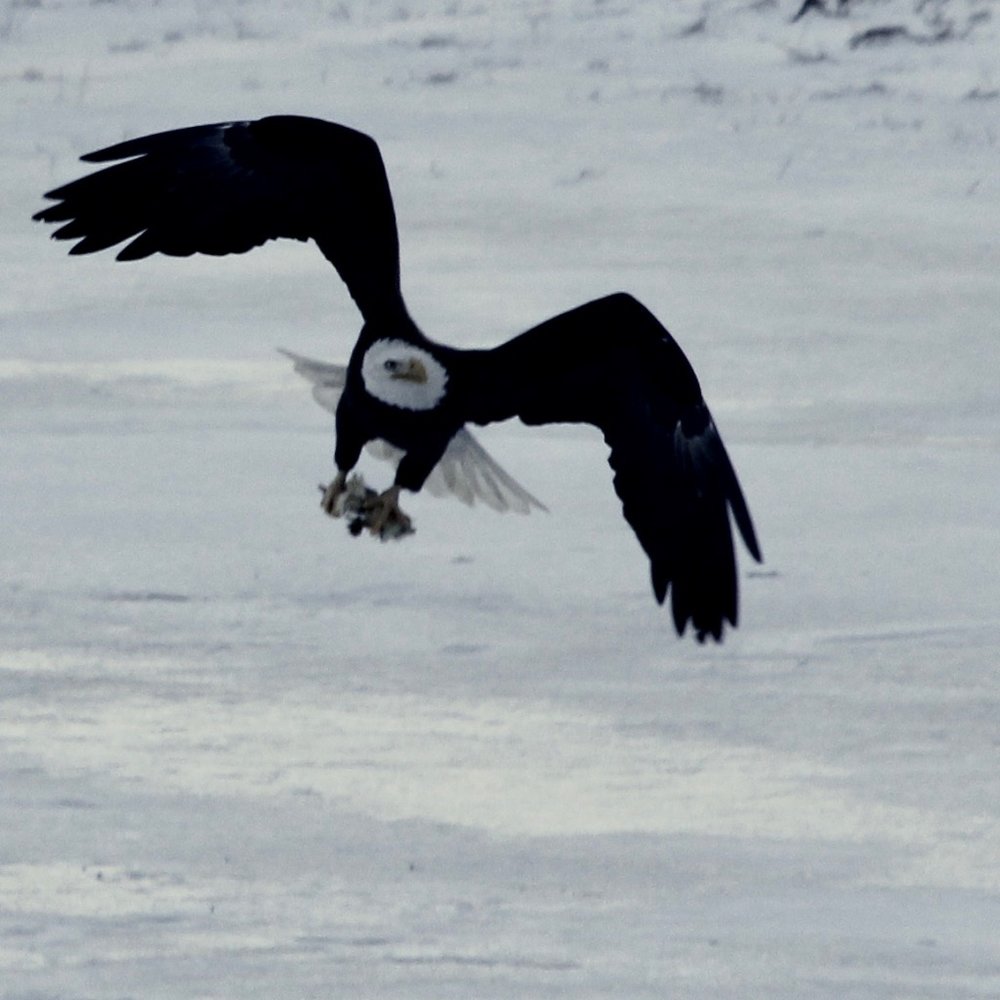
x: 364, y: 508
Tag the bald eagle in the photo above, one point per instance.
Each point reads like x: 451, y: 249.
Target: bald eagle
x: 228, y: 187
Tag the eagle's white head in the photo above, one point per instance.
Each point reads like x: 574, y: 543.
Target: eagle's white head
x: 403, y: 375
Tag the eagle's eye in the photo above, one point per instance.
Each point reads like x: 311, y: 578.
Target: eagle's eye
x: 391, y: 365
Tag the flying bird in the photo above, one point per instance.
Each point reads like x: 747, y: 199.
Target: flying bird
x: 228, y: 187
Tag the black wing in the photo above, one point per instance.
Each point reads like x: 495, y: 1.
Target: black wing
x: 612, y: 364
x: 225, y: 188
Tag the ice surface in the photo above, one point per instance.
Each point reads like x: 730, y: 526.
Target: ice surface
x: 245, y: 755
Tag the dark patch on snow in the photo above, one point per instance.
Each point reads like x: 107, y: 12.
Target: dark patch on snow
x: 145, y: 595
x: 893, y: 33
x: 74, y: 804
x: 463, y: 648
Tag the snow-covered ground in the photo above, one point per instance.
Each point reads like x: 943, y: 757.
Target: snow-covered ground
x: 243, y: 754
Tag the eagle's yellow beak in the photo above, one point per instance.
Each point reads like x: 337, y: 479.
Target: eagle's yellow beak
x: 412, y: 371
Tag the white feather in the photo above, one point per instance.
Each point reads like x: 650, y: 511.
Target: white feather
x: 404, y: 393
x: 466, y: 469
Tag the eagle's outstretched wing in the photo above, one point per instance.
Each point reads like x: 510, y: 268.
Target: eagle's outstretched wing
x: 466, y: 470
x: 612, y: 364
x: 225, y: 188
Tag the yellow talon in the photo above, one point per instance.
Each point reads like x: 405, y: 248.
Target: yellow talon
x: 332, y: 494
x: 385, y: 514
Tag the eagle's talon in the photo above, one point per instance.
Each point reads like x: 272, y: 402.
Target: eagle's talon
x: 385, y: 518
x: 333, y: 495
x: 352, y: 499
